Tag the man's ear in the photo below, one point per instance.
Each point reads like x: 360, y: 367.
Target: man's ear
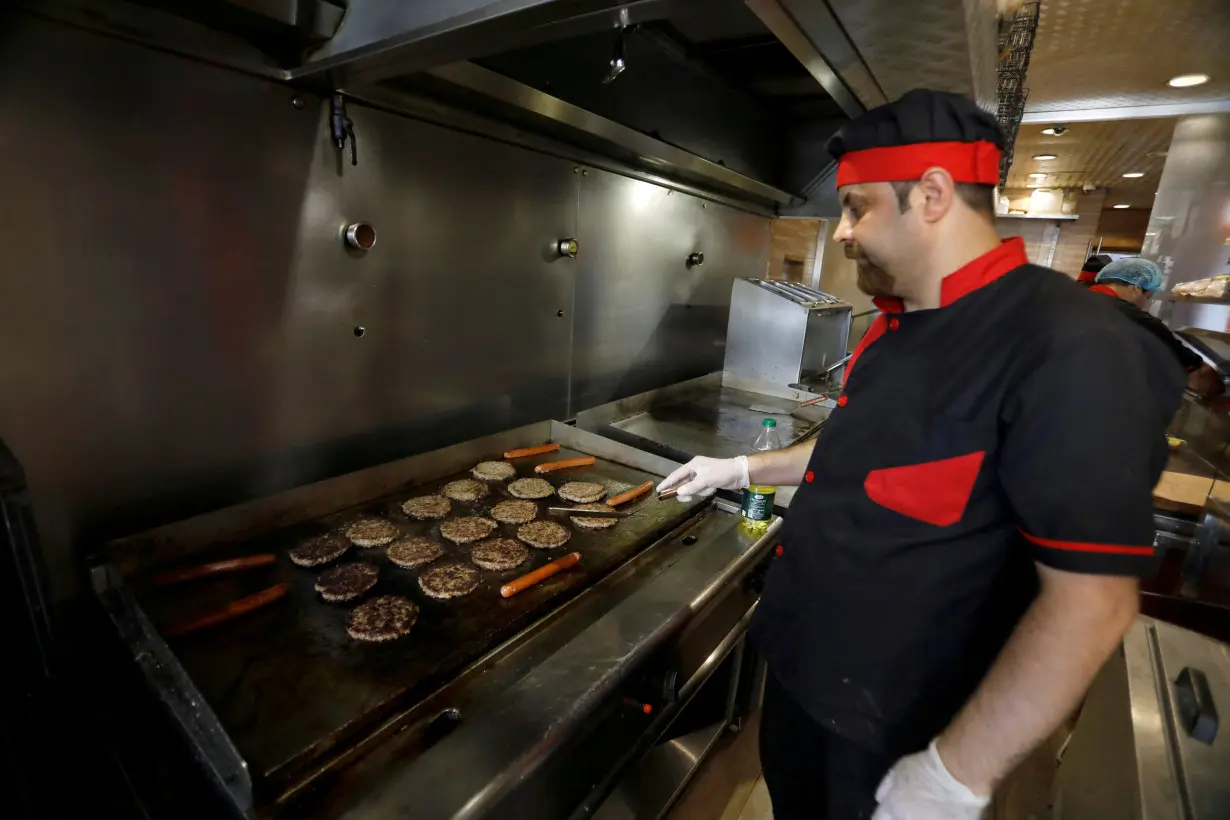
x: 939, y: 192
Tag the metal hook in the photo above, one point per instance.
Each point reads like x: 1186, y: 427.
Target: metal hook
x: 618, y: 62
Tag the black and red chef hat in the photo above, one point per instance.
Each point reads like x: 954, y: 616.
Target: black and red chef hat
x: 899, y: 141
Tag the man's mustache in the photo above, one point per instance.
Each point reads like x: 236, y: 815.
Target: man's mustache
x: 852, y: 250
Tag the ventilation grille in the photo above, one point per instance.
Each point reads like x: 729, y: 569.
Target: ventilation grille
x: 1016, y: 43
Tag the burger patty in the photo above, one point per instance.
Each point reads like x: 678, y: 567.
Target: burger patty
x: 531, y: 488
x: 465, y: 489
x: 409, y: 553
x: 427, y: 506
x: 346, y: 581
x: 499, y: 554
x: 467, y: 530
x: 382, y: 619
x: 493, y: 471
x: 319, y: 549
x: 593, y: 522
x: 514, y: 512
x: 546, y: 535
x: 581, y: 492
x: 449, y: 581
x: 371, y: 532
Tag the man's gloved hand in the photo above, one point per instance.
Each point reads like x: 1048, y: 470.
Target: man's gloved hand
x: 920, y: 787
x: 705, y: 476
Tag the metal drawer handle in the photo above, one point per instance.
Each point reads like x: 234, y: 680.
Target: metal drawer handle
x: 1194, y: 699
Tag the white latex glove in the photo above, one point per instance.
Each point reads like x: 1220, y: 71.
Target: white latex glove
x: 705, y: 476
x: 920, y: 787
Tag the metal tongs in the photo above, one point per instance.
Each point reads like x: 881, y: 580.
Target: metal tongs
x: 593, y: 513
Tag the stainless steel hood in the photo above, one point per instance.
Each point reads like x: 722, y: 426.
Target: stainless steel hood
x: 738, y: 96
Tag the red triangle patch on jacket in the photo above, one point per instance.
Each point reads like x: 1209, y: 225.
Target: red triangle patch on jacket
x: 935, y: 491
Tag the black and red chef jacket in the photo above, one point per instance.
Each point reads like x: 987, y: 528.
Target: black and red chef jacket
x: 1188, y: 359
x: 1021, y: 421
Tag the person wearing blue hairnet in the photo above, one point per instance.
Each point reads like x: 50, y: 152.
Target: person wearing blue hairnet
x: 1133, y: 281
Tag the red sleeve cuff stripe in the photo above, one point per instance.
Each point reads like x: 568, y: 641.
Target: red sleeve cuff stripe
x: 1080, y: 546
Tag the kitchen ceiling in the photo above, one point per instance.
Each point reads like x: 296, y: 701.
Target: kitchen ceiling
x: 1098, y: 154
x: 1115, y: 53
x: 1093, y: 56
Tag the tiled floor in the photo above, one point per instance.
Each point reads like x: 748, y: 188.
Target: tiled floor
x: 729, y: 786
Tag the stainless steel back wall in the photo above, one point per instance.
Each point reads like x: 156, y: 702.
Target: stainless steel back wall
x: 645, y: 317
x: 178, y: 316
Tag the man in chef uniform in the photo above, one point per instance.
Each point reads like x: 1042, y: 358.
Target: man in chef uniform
x: 963, y: 551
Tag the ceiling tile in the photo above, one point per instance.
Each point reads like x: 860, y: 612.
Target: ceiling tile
x: 1097, y: 154
x: 1112, y: 53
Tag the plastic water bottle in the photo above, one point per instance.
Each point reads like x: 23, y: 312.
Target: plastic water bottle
x: 758, y: 498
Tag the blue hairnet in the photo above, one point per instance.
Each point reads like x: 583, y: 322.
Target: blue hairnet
x: 1133, y: 270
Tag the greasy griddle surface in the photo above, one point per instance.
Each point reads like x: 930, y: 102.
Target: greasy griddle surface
x: 288, y: 683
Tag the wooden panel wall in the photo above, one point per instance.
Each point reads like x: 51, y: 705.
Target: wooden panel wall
x: 792, y: 252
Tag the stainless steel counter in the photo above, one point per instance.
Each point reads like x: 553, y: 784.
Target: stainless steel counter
x: 708, y: 416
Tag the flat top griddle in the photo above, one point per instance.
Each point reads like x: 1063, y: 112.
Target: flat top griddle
x: 287, y: 682
x: 699, y: 417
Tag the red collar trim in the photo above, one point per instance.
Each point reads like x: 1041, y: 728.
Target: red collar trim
x: 973, y: 275
x: 1103, y: 289
x: 964, y: 161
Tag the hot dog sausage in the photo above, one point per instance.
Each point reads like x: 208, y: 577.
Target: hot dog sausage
x: 541, y: 574
x: 532, y: 451
x: 232, y: 610
x: 625, y: 497
x: 174, y: 576
x: 552, y: 466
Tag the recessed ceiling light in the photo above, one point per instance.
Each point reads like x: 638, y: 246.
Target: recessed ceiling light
x: 1044, y: 157
x: 1037, y: 175
x: 1188, y: 80
x: 1133, y: 175
x: 1123, y: 206
x: 1054, y: 132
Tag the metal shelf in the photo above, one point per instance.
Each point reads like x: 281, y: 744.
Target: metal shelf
x: 1198, y: 300
x: 1065, y: 217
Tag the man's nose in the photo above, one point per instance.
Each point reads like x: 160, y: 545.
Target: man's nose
x: 844, y: 233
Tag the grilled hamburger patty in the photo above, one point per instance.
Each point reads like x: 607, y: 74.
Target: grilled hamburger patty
x: 382, y: 619
x: 346, y: 581
x: 319, y: 549
x: 514, y: 512
x: 546, y: 535
x: 465, y: 489
x: 424, y: 507
x: 409, y: 553
x: 499, y: 554
x: 467, y: 530
x: 493, y: 471
x: 449, y: 581
x: 371, y: 532
x: 593, y: 522
x: 581, y: 492
x: 531, y: 488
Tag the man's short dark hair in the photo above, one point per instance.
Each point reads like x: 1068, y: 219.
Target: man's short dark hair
x: 1095, y: 263
x: 979, y: 197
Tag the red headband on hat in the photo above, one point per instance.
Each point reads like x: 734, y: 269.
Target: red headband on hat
x: 964, y: 161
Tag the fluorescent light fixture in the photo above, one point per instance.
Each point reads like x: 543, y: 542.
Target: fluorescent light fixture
x: 1119, y: 207
x: 1037, y: 175
x: 1044, y: 157
x: 1188, y: 80
x: 1051, y: 132
x: 1133, y: 175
